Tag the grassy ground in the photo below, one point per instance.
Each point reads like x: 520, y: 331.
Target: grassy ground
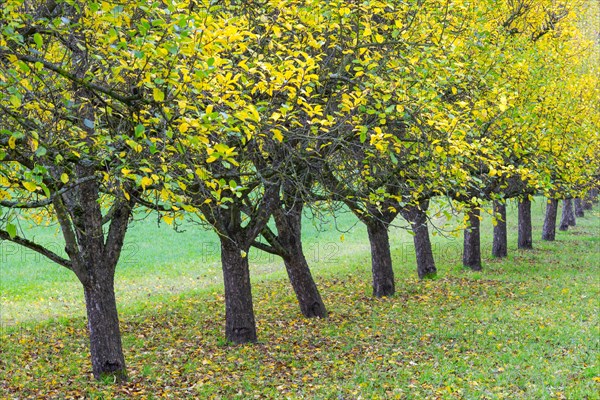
x: 526, y: 327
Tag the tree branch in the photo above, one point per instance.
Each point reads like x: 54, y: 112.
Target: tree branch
x: 38, y: 249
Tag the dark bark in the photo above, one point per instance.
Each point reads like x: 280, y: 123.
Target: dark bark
x: 103, y: 324
x: 417, y: 217
x: 289, y: 235
x: 525, y: 237
x: 381, y: 259
x: 588, y: 204
x: 578, y: 204
x: 568, y: 215
x: 94, y: 257
x: 236, y: 239
x: 472, y: 241
x: 549, y: 228
x: 500, y: 243
x: 240, y: 326
x: 594, y: 195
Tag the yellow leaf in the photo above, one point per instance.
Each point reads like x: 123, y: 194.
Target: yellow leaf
x: 503, y: 103
x: 64, y: 178
x: 31, y: 186
x: 146, y: 181
x: 202, y: 174
x: 183, y: 128
x: 158, y: 94
x: 211, y: 159
x: 168, y: 219
x: 126, y: 195
x: 11, y: 142
x: 277, y: 135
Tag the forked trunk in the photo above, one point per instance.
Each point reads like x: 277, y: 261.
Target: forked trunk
x: 568, y: 215
x: 94, y: 255
x: 103, y: 324
x: 578, y: 204
x: 289, y: 233
x: 240, y: 326
x: 472, y: 242
x: 381, y: 259
x: 525, y: 239
x: 417, y: 217
x: 500, y: 243
x: 549, y: 228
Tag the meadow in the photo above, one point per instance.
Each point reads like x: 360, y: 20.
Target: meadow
x: 525, y: 327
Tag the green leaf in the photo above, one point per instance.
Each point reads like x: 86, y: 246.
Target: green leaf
x: 37, y: 38
x: 363, y: 134
x: 139, y: 130
x: 11, y: 229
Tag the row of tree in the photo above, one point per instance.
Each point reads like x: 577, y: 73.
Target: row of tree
x: 246, y: 112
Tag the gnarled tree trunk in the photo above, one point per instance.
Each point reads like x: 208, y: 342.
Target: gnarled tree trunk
x: 472, y: 241
x: 240, y: 326
x: 578, y: 205
x: 289, y: 234
x: 500, y: 243
x: 417, y: 217
x: 381, y: 259
x: 525, y: 237
x: 568, y: 215
x: 549, y: 228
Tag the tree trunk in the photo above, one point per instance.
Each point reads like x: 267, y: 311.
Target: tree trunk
x: 594, y: 195
x: 578, y: 203
x: 549, y: 229
x: 94, y: 254
x: 289, y: 233
x: 588, y: 204
x: 568, y: 215
x: 240, y: 326
x: 103, y: 325
x: 381, y: 259
x: 525, y: 239
x: 417, y: 217
x: 472, y: 243
x: 500, y: 243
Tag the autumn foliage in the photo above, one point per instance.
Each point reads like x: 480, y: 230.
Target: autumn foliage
x: 232, y: 112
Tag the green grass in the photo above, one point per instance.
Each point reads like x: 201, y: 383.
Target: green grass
x: 526, y: 327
